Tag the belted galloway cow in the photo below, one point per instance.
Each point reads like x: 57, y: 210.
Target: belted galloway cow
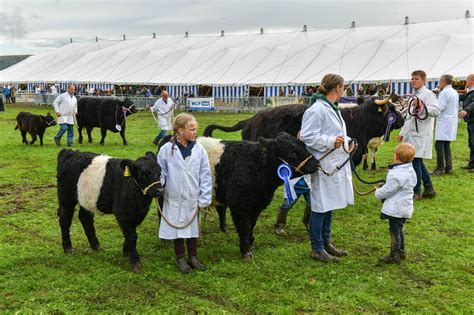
x: 101, y: 184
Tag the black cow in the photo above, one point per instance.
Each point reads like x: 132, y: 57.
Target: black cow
x: 106, y: 113
x: 33, y: 124
x: 363, y: 122
x: 245, y: 175
x: 106, y: 185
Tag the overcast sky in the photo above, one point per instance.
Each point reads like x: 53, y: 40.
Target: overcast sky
x: 33, y: 26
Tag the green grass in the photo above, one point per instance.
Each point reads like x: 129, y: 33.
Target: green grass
x: 35, y: 275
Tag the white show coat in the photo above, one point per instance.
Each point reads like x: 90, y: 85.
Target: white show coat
x: 67, y: 106
x: 188, y: 185
x: 320, y: 127
x: 398, y: 191
x: 422, y: 140
x: 447, y: 121
x: 164, y: 111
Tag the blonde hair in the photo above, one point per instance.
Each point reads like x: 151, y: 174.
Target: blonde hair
x: 405, y: 152
x: 329, y: 82
x: 181, y: 121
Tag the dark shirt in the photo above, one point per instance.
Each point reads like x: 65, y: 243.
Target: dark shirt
x: 186, y: 150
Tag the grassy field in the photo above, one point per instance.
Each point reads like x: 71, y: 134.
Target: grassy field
x: 35, y: 275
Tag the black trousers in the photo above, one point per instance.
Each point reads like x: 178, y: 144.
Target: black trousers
x: 470, y: 132
x: 396, y: 228
x: 444, y: 158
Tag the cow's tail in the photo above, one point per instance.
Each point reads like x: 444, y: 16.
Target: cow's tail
x: 238, y: 126
x: 17, y: 126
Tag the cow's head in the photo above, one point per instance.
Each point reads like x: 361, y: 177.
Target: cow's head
x: 146, y: 174
x: 381, y: 110
x: 287, y: 148
x: 49, y: 120
x: 129, y: 106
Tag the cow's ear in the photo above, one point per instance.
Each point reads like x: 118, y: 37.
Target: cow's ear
x: 151, y: 155
x: 126, y: 166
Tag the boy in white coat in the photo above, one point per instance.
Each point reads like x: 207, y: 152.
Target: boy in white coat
x: 419, y: 133
x: 397, y: 197
x: 186, y: 176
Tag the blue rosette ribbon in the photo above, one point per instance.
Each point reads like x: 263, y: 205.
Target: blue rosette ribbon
x: 285, y: 172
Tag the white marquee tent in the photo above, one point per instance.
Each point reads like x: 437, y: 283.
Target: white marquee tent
x: 230, y: 63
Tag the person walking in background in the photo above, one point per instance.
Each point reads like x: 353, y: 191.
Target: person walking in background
x: 446, y: 125
x: 164, y: 109
x: 65, y: 106
x: 13, y: 94
x: 468, y: 114
x: 6, y: 92
x: 419, y: 132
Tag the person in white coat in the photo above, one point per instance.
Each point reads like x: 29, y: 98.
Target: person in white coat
x: 397, y: 197
x: 186, y: 176
x: 446, y: 125
x: 323, y: 129
x: 65, y: 107
x: 164, y: 109
x: 419, y: 133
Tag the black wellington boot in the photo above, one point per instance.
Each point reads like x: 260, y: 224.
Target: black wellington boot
x: 281, y: 222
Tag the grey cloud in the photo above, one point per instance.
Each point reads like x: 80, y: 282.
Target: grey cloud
x: 12, y: 26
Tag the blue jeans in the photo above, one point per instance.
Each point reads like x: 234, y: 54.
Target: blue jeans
x: 319, y: 229
x: 70, y: 132
x: 160, y: 136
x: 300, y: 189
x: 422, y: 174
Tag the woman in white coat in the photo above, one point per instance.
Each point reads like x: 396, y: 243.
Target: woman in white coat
x: 164, y: 109
x: 322, y: 130
x: 186, y: 176
x: 446, y: 125
x: 419, y: 133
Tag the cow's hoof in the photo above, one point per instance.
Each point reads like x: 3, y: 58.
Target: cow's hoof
x: 136, y: 267
x: 224, y: 229
x: 96, y: 248
x: 126, y: 254
x: 79, y: 141
x: 101, y: 143
x: 125, y: 144
x: 247, y: 256
x: 68, y: 250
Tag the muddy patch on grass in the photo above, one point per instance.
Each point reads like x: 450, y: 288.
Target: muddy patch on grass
x: 17, y: 197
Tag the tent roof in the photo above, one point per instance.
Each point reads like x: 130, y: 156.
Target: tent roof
x: 362, y: 54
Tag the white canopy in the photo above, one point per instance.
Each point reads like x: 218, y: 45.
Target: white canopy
x: 362, y: 54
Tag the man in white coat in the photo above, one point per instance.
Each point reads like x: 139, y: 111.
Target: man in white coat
x: 65, y: 107
x: 419, y: 133
x: 323, y: 130
x: 164, y: 109
x: 446, y: 125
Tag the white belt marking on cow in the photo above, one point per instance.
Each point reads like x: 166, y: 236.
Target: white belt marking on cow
x: 90, y: 182
x: 214, y: 149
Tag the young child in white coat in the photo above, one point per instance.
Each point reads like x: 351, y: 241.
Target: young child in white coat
x: 397, y: 197
x: 186, y: 175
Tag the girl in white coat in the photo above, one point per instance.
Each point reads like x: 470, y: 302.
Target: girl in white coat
x: 322, y: 130
x: 186, y: 175
x: 397, y: 196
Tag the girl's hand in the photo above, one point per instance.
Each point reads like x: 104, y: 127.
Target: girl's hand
x: 339, y: 142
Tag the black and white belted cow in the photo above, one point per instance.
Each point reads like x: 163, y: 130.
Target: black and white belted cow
x: 245, y: 177
x: 101, y: 184
x: 103, y: 112
x: 363, y: 122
